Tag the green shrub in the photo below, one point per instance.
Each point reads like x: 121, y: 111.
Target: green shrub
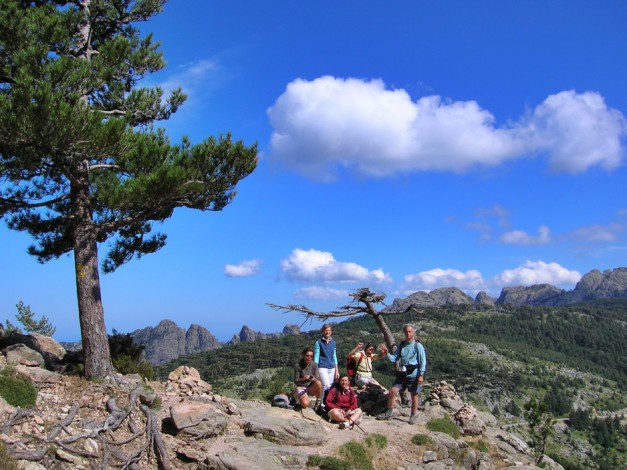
x: 480, y: 445
x: 420, y: 439
x: 17, y: 389
x: 328, y: 463
x: 359, y: 457
x: 445, y: 425
x: 127, y: 365
x: 376, y: 441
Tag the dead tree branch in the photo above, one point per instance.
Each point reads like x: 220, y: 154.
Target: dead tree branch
x: 364, y: 302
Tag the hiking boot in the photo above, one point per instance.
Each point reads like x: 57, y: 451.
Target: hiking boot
x: 342, y: 425
x: 385, y: 416
x: 413, y: 418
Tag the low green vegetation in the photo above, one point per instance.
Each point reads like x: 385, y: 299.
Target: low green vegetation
x: 352, y: 455
x: 17, y: 389
x: 420, y: 439
x: 445, y: 425
x: 328, y: 463
x: 480, y: 445
x: 128, y: 357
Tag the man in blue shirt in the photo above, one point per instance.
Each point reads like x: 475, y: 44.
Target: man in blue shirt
x: 412, y: 363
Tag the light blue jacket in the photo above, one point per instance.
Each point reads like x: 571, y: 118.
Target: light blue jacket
x: 411, y: 354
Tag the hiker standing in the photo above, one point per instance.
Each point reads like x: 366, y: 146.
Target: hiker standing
x: 307, y: 379
x: 325, y: 356
x: 363, y: 357
x: 342, y: 404
x: 412, y: 363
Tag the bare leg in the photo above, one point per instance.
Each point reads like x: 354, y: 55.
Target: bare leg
x: 392, y: 397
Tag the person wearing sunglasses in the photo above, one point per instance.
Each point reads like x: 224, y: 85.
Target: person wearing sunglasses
x: 307, y: 379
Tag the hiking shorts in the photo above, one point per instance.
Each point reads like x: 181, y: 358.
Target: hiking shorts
x: 407, y: 383
x: 362, y: 380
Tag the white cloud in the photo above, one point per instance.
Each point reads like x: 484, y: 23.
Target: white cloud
x: 320, y: 266
x: 196, y: 79
x: 330, y: 123
x: 579, y: 131
x: 537, y: 272
x: 471, y: 280
x: 244, y: 269
x: 320, y: 293
x: 598, y: 233
x: 520, y: 237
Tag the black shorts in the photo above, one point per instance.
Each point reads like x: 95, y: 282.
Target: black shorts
x: 402, y: 382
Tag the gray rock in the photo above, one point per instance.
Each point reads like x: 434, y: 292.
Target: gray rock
x: 429, y: 456
x: 247, y: 334
x: 484, y: 299
x: 50, y: 350
x: 435, y: 298
x: 291, y: 431
x: 167, y: 341
x: 540, y: 294
x: 21, y: 354
x: 257, y: 454
x: 596, y: 285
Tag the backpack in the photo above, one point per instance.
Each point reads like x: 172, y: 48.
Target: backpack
x: 282, y: 401
x: 352, y: 365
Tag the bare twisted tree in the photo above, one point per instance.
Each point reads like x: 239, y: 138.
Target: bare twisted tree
x: 364, y: 301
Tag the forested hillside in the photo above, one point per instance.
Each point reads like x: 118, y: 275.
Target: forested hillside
x: 589, y: 337
x: 571, y: 357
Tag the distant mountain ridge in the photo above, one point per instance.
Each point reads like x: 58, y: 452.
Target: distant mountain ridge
x: 167, y: 341
x: 595, y: 285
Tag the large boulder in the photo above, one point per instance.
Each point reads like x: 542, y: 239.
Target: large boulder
x: 51, y: 351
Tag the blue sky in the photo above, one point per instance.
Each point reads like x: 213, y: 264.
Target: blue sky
x: 404, y: 146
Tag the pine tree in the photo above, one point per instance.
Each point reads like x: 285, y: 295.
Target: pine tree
x: 80, y: 160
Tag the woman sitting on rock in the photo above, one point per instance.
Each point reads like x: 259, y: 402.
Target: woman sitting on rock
x: 341, y: 402
x: 307, y: 379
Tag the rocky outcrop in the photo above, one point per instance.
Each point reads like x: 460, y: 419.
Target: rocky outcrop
x: 167, y: 341
x: 596, y: 285
x: 49, y: 350
x: 247, y: 334
x: 435, y: 298
x: 540, y: 294
x: 483, y: 298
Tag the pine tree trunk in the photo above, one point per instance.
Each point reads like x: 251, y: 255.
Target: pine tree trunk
x: 90, y: 310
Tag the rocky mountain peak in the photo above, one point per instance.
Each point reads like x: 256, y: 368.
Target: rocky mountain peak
x: 167, y: 341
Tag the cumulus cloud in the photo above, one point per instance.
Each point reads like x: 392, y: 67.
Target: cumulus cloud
x: 520, y: 237
x: 244, y: 269
x: 328, y: 123
x: 578, y: 131
x: 320, y: 266
x: 471, y: 280
x: 320, y: 293
x: 537, y: 272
